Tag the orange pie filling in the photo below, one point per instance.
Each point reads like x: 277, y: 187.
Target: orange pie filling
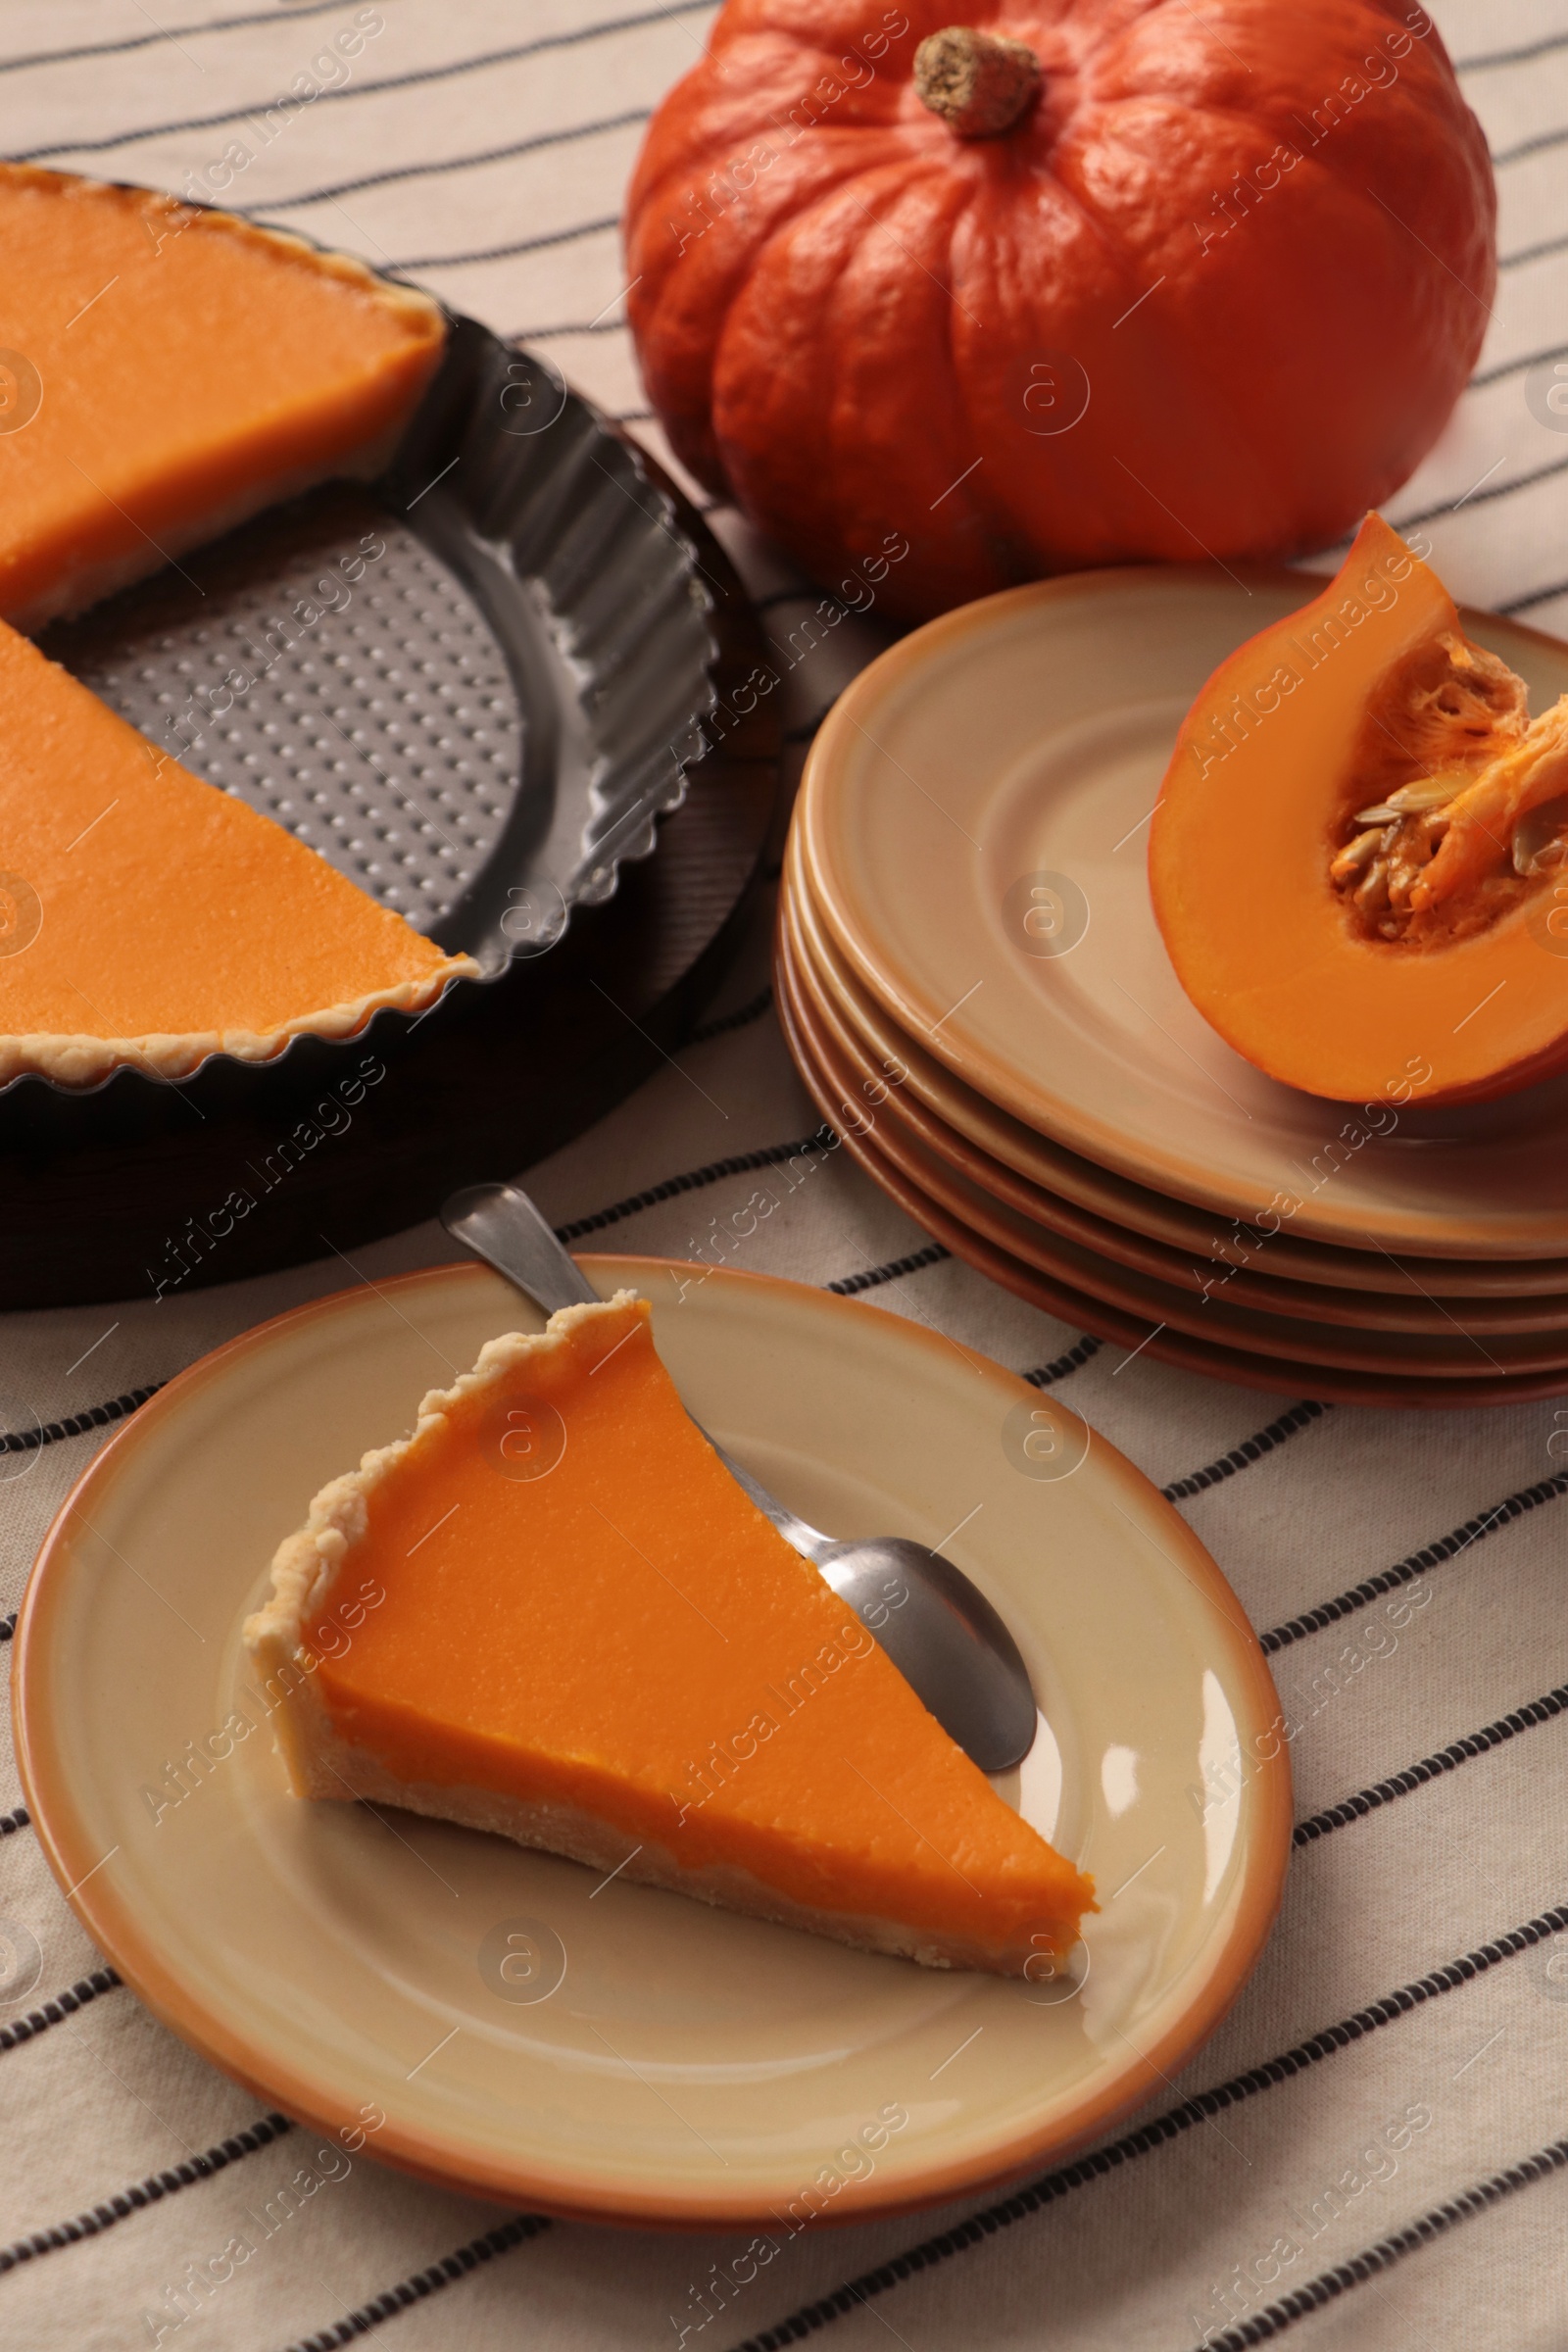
x: 147, y: 918
x: 168, y: 372
x: 551, y: 1612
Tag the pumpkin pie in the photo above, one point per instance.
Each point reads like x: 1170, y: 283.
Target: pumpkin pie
x: 147, y: 918
x: 166, y: 372
x: 551, y: 1613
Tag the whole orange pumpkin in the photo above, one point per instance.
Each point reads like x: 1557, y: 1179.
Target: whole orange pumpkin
x: 1102, y: 281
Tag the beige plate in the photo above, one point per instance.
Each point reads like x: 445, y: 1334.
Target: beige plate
x: 992, y: 1138
x: 957, y: 1171
x: 1019, y: 743
x: 690, y: 2066
x: 1440, y: 1353
x: 977, y: 1239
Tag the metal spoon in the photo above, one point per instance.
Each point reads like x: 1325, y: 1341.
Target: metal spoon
x: 941, y: 1633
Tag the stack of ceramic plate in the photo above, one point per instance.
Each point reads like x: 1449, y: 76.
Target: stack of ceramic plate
x: 978, y: 997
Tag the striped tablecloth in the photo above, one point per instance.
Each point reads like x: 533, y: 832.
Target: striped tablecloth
x: 1372, y: 2149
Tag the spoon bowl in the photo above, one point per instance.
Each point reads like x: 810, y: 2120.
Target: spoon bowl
x: 945, y: 1638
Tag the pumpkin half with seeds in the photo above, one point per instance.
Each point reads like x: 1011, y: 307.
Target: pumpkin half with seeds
x: 1359, y: 857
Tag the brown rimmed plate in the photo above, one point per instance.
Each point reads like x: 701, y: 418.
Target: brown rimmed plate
x: 1140, y: 1331
x: 922, y: 1143
x: 1133, y: 1209
x: 1015, y: 747
x: 686, y: 2067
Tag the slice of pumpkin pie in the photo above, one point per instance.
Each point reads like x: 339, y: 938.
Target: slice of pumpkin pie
x: 167, y: 370
x: 148, y: 918
x: 551, y: 1613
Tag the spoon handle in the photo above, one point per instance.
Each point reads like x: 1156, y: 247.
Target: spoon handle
x: 499, y: 1223
x: 807, y: 1541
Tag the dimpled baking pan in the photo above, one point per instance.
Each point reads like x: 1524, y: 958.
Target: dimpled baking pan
x: 477, y: 686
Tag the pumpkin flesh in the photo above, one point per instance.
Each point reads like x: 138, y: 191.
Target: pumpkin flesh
x: 1357, y: 861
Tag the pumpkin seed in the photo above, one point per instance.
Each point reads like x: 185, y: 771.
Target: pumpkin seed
x: 1429, y: 792
x: 1354, y: 856
x: 1415, y: 799
x: 1538, y: 843
x: 1373, y: 895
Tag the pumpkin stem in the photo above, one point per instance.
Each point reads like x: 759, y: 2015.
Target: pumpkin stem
x: 980, y: 82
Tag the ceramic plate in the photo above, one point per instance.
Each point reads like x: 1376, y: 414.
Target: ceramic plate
x: 955, y: 1170
x: 1458, y: 1354
x: 685, y: 2066
x: 1138, y: 1332
x: 1015, y: 747
x: 994, y: 1138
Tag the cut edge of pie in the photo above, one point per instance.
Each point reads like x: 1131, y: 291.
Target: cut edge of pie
x: 321, y: 1763
x: 72, y: 592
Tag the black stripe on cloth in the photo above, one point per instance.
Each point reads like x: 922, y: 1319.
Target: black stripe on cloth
x: 1531, y: 359
x: 1460, y: 1751
x: 1275, y: 2318
x: 54, y: 2011
x: 461, y: 162
x: 571, y: 326
x: 425, y: 2283
x: 721, y: 1025
x: 369, y: 90
x: 1513, y: 57
x: 1167, y: 2127
x: 505, y: 253
x: 150, y: 2192
x: 849, y: 1286
x: 1537, y: 596
x: 173, y: 33
x: 1432, y: 1555
x: 11, y: 1823
x: 76, y: 1425
x: 1047, y: 1375
x: 785, y: 596
x: 740, y: 1164
x: 1251, y: 1450
x: 1525, y: 147
x: 1484, y: 498
x: 1530, y: 253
